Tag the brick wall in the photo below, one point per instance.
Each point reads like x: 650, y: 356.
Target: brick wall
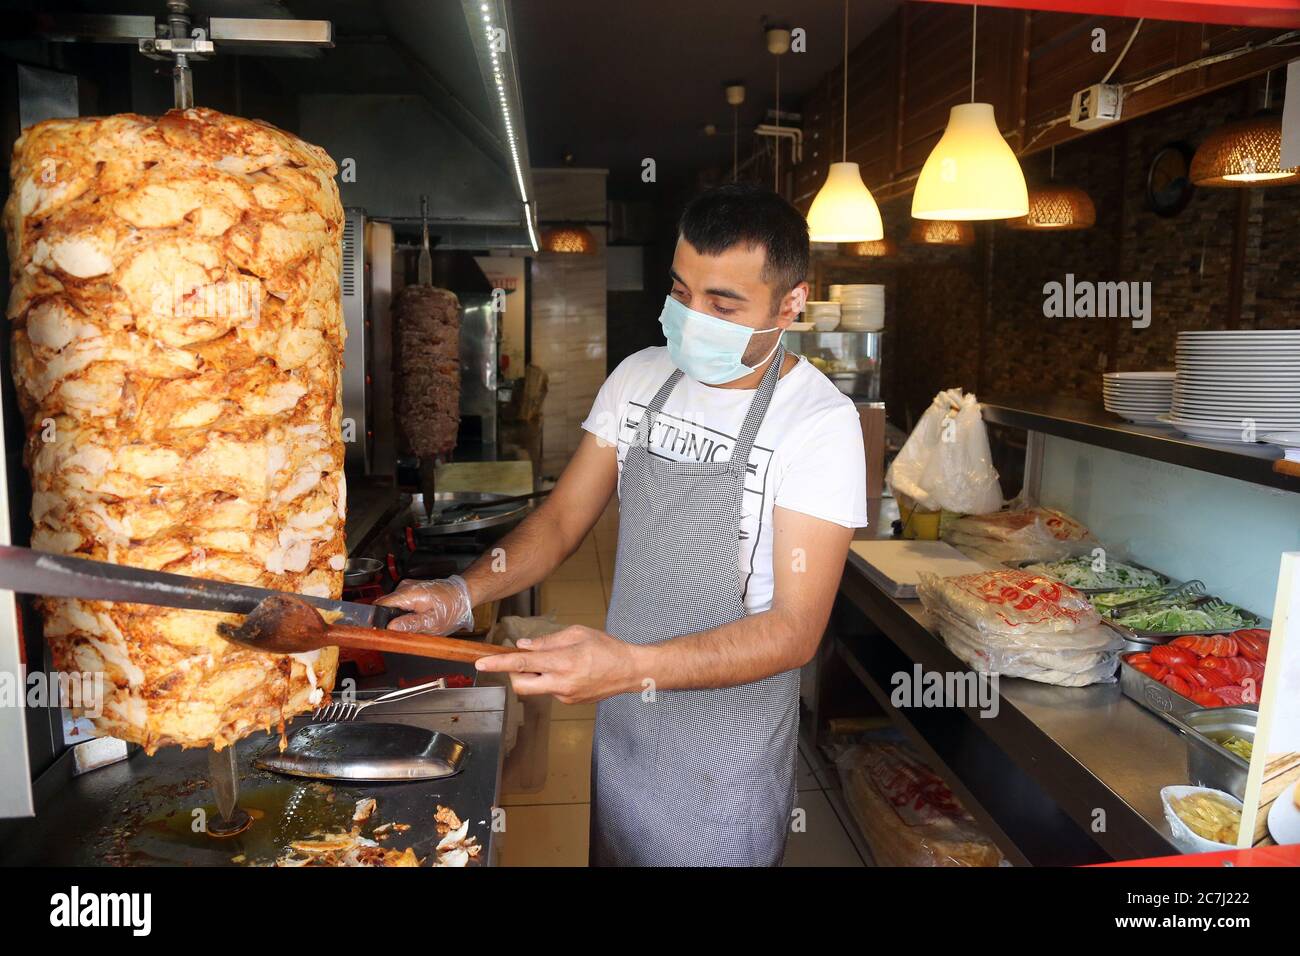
x: 942, y: 331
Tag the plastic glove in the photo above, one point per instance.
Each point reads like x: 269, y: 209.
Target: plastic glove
x: 437, y: 607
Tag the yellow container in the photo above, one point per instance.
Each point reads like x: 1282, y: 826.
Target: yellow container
x: 919, y: 524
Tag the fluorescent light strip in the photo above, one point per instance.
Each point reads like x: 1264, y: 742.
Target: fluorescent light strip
x: 532, y: 236
x: 499, y: 76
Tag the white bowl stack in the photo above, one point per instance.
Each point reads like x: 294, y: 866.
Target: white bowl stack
x: 825, y: 316
x: 1141, y: 397
x: 1233, y: 386
x: 862, y: 307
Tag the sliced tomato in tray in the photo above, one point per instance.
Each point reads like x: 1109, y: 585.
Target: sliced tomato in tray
x: 1234, y: 668
x: 1172, y: 656
x: 1231, y: 696
x: 1212, y: 677
x: 1252, y: 643
x: 1206, y: 645
x: 1177, y: 684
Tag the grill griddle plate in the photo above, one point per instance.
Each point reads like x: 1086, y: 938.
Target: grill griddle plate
x: 366, y: 751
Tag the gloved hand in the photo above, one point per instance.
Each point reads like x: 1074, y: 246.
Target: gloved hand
x: 438, y: 607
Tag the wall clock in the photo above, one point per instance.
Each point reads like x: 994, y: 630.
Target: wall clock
x: 1169, y: 188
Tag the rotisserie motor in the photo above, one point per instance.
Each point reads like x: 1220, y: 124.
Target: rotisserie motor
x: 177, y: 347
x: 427, y: 321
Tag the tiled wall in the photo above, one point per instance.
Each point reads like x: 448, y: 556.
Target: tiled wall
x: 568, y: 311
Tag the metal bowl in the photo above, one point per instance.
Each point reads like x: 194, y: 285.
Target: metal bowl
x: 1209, y: 763
x: 359, y: 571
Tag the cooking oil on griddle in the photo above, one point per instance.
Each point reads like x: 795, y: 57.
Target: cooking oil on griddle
x: 282, y: 811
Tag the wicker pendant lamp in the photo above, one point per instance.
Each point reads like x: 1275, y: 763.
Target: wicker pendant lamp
x: 871, y: 249
x: 942, y: 232
x: 1246, y: 153
x: 1243, y: 154
x: 1053, y: 206
x: 569, y: 239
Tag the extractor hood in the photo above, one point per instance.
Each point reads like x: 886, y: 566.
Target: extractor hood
x: 413, y: 98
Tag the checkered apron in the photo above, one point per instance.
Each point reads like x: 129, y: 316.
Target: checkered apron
x: 689, y: 777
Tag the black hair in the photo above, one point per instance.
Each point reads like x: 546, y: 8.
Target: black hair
x: 748, y: 215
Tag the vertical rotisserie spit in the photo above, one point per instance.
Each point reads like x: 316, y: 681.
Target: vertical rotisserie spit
x: 177, y: 347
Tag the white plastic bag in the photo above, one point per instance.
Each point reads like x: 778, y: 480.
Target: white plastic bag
x: 945, y: 464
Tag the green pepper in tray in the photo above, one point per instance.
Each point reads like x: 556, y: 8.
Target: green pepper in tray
x: 1184, y: 618
x: 1108, y: 599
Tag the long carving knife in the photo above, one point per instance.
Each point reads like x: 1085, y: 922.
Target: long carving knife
x: 56, y: 575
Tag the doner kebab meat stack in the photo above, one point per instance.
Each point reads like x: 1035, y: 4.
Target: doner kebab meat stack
x: 177, y: 347
x: 427, y: 321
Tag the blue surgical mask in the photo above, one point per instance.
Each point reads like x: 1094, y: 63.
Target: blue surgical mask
x: 706, y: 348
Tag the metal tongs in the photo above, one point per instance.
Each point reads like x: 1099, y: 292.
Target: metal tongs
x: 1193, y: 592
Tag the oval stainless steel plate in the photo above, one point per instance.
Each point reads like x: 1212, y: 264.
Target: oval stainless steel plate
x: 366, y: 751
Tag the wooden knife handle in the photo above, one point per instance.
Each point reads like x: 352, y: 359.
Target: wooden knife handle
x: 403, y: 642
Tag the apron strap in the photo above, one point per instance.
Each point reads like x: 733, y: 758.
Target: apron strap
x: 654, y: 408
x: 753, y: 418
x: 757, y: 411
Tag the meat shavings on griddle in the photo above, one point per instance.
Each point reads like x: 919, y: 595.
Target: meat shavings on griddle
x: 351, y: 849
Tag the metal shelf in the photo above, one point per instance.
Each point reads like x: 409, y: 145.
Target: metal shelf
x: 1038, y: 772
x: 1091, y: 424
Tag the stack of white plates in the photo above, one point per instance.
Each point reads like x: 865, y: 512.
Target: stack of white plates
x: 825, y: 316
x: 1138, y: 396
x: 1234, y: 386
x: 862, y: 307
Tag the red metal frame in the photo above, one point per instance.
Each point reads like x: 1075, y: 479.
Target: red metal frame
x: 1288, y: 855
x: 1245, y: 13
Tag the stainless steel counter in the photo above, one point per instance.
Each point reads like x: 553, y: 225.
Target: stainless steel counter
x: 371, y: 504
x: 1055, y: 769
x: 141, y: 811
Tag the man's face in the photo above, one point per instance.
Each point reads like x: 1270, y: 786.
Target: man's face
x: 730, y: 286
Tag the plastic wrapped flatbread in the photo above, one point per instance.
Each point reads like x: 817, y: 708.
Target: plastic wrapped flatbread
x: 1021, y: 624
x: 1019, y: 534
x: 1100, y: 668
x: 1011, y: 602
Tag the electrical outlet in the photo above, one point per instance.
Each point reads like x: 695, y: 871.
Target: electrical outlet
x: 1099, y: 105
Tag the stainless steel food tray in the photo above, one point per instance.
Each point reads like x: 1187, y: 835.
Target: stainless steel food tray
x: 1152, y: 694
x: 366, y: 751
x: 1165, y: 580
x: 1162, y: 637
x: 1209, y: 763
x: 489, y: 514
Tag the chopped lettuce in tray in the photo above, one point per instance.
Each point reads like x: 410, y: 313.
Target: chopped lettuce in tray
x: 1184, y: 618
x: 1108, y: 599
x: 1080, y: 573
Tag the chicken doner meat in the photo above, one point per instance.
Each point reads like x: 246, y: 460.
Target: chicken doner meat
x: 177, y: 344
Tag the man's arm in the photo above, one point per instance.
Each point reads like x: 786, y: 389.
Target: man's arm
x: 542, y: 541
x: 580, y: 664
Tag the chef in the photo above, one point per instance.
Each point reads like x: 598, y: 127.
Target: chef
x: 740, y: 476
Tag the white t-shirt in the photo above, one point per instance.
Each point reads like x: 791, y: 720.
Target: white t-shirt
x: 807, y: 456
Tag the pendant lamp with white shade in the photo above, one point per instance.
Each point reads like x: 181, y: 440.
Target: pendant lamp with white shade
x: 844, y: 209
x: 971, y: 172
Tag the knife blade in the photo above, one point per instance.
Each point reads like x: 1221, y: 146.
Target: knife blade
x: 57, y: 575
